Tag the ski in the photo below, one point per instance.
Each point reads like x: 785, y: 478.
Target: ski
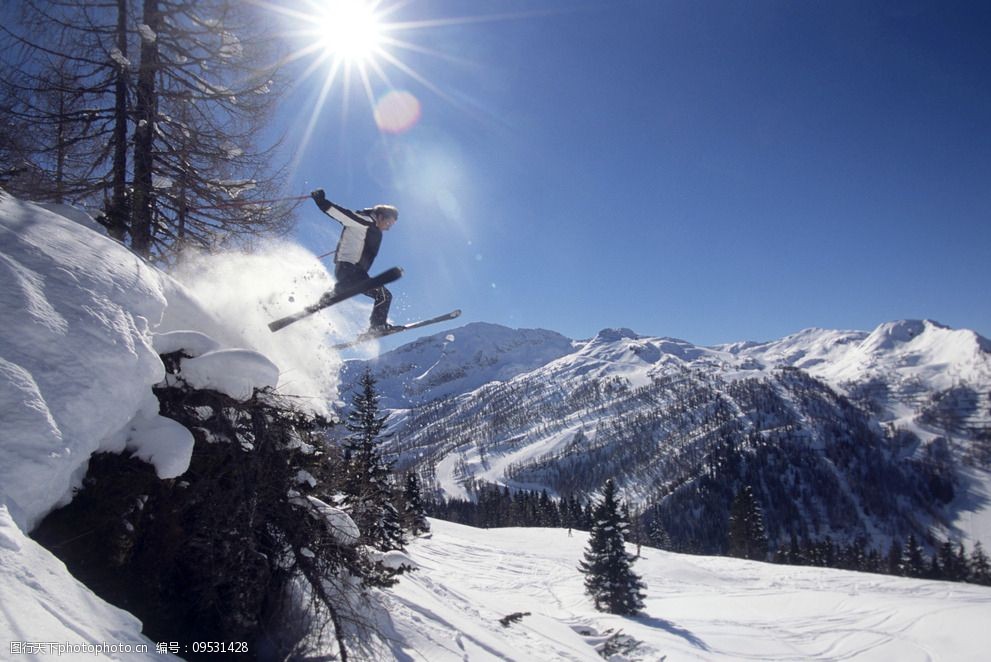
x: 399, y: 329
x: 338, y: 296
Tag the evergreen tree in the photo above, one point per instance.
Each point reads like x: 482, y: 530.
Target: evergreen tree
x: 588, y: 516
x: 855, y: 555
x: 896, y: 558
x: 503, y: 510
x: 980, y: 567
x: 567, y: 506
x: 961, y: 564
x: 952, y: 562
x: 548, y: 514
x: 368, y: 483
x: 795, y: 554
x: 747, y: 539
x: 519, y: 510
x: 657, y: 535
x: 414, y: 511
x: 873, y: 562
x: 229, y: 554
x: 913, y: 561
x: 609, y: 578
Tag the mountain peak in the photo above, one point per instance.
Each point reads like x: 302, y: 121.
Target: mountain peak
x: 459, y: 360
x: 614, y: 334
x: 925, y: 336
x: 892, y: 334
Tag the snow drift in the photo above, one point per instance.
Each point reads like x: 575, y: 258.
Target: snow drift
x: 84, y: 322
x: 75, y: 349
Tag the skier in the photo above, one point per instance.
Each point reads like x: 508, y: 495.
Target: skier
x: 359, y: 244
x: 356, y: 250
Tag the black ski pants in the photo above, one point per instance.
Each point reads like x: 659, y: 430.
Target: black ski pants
x: 347, y: 273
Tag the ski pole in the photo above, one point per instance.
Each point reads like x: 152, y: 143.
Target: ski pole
x: 238, y: 203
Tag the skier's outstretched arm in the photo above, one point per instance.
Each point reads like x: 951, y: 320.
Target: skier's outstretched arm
x: 340, y: 214
x: 320, y: 198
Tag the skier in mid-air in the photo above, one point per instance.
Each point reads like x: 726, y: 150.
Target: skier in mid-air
x: 359, y: 244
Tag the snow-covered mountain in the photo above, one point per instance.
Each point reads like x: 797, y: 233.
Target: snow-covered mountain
x: 849, y: 433
x: 448, y: 364
x: 915, y: 358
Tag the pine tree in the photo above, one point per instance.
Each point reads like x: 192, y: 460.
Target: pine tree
x: 588, y: 516
x: 856, y: 555
x: 414, y: 511
x: 576, y: 516
x: 657, y: 535
x: 914, y: 562
x: 747, y: 539
x: 609, y: 578
x: 896, y: 558
x: 980, y: 567
x: 547, y: 514
x: 368, y: 482
x: 795, y: 555
x: 952, y: 562
x: 245, y: 533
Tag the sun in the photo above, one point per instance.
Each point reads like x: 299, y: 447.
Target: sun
x: 348, y: 30
x: 364, y: 48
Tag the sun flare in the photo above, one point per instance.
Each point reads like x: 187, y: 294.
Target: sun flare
x: 368, y: 48
x: 348, y: 29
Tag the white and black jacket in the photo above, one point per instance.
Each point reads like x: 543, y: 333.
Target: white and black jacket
x: 360, y: 238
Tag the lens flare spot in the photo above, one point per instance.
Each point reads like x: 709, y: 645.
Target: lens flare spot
x: 448, y: 203
x: 397, y: 112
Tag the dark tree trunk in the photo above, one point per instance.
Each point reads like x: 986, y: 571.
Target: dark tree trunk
x: 144, y: 134
x: 117, y: 214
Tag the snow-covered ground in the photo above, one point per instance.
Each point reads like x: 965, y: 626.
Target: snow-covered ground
x: 45, y: 613
x: 84, y: 321
x: 697, y: 608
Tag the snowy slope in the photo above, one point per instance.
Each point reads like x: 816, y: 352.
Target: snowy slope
x: 76, y: 338
x: 84, y: 323
x: 78, y: 355
x: 913, y: 359
x: 43, y: 603
x: 455, y: 362
x: 697, y: 608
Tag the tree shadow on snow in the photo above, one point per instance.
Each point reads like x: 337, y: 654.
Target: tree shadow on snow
x: 670, y: 627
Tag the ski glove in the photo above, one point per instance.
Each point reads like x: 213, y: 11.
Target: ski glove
x: 318, y: 195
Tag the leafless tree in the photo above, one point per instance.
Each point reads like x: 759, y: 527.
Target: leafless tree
x: 183, y: 88
x: 56, y: 100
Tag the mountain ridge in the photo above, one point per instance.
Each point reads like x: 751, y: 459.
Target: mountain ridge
x: 890, y: 424
x: 835, y: 355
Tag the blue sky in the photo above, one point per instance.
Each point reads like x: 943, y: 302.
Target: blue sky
x: 709, y: 170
